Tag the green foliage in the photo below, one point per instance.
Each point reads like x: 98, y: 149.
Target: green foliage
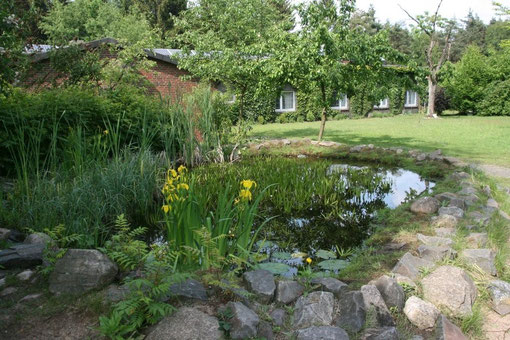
x: 397, y: 98
x: 496, y: 101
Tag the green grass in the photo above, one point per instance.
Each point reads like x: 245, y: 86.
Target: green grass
x: 479, y: 139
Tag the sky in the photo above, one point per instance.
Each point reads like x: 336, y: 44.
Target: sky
x: 458, y: 9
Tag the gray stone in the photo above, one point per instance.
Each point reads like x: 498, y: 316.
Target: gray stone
x: 352, y: 314
x: 410, y: 265
x: 504, y: 215
x: 500, y: 293
x: 191, y: 289
x: 425, y: 205
x: 450, y: 287
x: 444, y: 232
x: 421, y: 157
x: 187, y: 324
x: 391, y: 292
x: 458, y: 176
x: 357, y: 148
x: 288, y: 291
x: 479, y: 218
x: 420, y: 313
x: 434, y: 240
x: 115, y: 293
x: 2, y: 282
x: 444, y: 221
x: 25, y: 275
x: 445, y: 330
x: 30, y: 297
x: 261, y: 283
x: 321, y: 333
x: 8, y: 291
x: 329, y: 284
x: 5, y: 234
x: 404, y: 281
x: 477, y: 240
x: 314, y: 309
x: 458, y: 202
x: 244, y: 321
x: 453, y: 211
x: 81, y: 270
x: 487, y: 190
x: 383, y: 333
x: 435, y: 253
x: 445, y: 197
x: 286, y: 142
x: 37, y: 238
x: 468, y: 190
x: 265, y: 331
x: 22, y: 256
x: 471, y: 200
x: 278, y: 316
x: 492, y: 204
x: 483, y: 258
x: 301, y: 156
x: 375, y: 302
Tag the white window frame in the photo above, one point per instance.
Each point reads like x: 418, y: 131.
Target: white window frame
x: 231, y: 99
x: 339, y: 100
x: 415, y: 103
x: 383, y: 104
x: 281, y: 102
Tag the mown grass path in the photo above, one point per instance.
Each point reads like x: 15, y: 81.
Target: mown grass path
x: 483, y: 140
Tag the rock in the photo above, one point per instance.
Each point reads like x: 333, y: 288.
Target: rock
x: 477, y: 240
x: 374, y: 301
x: 25, y: 275
x: 191, y: 289
x: 321, y: 333
x: 352, y: 314
x: 444, y: 232
x: 244, y: 321
x: 504, y: 215
x: 434, y: 253
x: 445, y: 330
x: 492, y: 204
x: 288, y: 291
x: 453, y: 211
x: 425, y: 205
x: 261, y: 283
x: 16, y: 236
x: 357, y: 148
x: 481, y: 219
x: 471, y: 200
x: 314, y: 309
x: 5, y: 234
x: 445, y: 197
x: 278, y: 316
x: 410, y: 265
x: 329, y: 284
x: 444, y: 221
x: 301, y: 156
x: 22, y: 256
x: 391, y: 292
x: 421, y: 157
x: 328, y: 144
x: 285, y: 142
x: 487, y: 190
x: 450, y: 287
x: 434, y: 240
x: 265, y: 331
x: 458, y: 176
x: 383, y: 333
x: 468, y: 190
x: 2, y: 282
x: 30, y: 297
x: 420, y: 313
x: 8, y: 291
x: 37, y: 238
x: 483, y: 258
x: 187, y: 324
x: 404, y: 280
x: 81, y: 270
x: 500, y: 293
x: 115, y: 293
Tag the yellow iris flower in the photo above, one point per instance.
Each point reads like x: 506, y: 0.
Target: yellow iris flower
x: 245, y: 195
x: 182, y: 169
x: 166, y: 208
x: 248, y: 184
x: 309, y: 260
x: 182, y: 186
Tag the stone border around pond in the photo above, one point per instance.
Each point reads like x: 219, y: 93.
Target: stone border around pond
x: 330, y: 310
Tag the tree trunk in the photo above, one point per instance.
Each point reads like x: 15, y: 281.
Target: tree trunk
x: 431, y: 110
x: 323, y: 124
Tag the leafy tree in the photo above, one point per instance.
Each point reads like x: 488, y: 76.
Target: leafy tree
x: 497, y: 31
x: 472, y: 32
x: 439, y: 33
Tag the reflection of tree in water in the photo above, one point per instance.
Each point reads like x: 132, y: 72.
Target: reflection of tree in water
x: 343, y: 223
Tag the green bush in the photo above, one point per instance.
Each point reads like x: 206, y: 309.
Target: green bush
x: 397, y: 97
x: 497, y: 99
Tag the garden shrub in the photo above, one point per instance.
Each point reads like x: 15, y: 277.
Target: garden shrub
x: 497, y: 99
x: 397, y: 97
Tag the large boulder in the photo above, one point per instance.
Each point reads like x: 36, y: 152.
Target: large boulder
x: 434, y: 253
x: 381, y: 333
x: 500, y: 293
x: 451, y: 288
x: 452, y: 211
x: 191, y: 289
x: 261, y: 283
x: 329, y: 284
x: 278, y: 316
x: 410, y: 266
x: 321, y: 333
x: 434, y: 240
x: 420, y: 313
x: 244, y: 321
x: 392, y: 293
x: 480, y: 218
x: 81, y: 270
x: 288, y: 291
x: 374, y: 302
x: 352, y: 314
x: 22, y: 256
x: 444, y: 221
x: 445, y: 330
x: 38, y: 238
x: 5, y: 234
x: 425, y: 205
x: 483, y: 258
x: 187, y: 324
x: 314, y: 309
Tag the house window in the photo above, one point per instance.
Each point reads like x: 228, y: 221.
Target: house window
x: 383, y: 104
x: 286, y: 102
x: 342, y: 103
x: 231, y: 99
x: 411, y: 99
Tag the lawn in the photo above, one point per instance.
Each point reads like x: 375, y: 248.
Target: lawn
x: 480, y: 139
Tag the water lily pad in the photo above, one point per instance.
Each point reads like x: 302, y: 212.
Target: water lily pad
x: 274, y: 267
x: 326, y: 254
x: 282, y: 255
x: 264, y: 244
x: 333, y: 264
x: 298, y: 255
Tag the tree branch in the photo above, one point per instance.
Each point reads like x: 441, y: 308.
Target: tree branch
x: 420, y: 25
